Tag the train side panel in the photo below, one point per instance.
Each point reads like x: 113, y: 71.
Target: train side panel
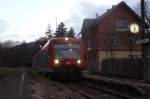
x: 41, y: 60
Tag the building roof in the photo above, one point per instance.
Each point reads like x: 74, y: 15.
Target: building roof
x: 88, y: 23
x: 109, y: 11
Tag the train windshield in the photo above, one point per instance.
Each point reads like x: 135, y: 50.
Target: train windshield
x: 67, y: 50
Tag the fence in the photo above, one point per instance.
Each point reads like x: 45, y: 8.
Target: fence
x: 128, y: 68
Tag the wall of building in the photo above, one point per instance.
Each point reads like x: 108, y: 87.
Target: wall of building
x: 116, y: 54
x: 107, y: 27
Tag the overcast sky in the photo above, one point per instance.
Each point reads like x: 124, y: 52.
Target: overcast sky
x: 27, y: 20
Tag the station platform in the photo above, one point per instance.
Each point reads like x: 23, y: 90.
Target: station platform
x: 138, y: 84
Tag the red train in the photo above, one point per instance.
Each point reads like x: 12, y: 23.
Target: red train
x: 61, y: 56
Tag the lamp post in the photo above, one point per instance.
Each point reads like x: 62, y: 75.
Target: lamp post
x: 134, y: 29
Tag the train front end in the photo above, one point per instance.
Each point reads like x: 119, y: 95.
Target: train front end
x: 68, y: 56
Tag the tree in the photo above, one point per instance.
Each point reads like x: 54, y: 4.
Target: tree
x: 71, y: 32
x: 8, y: 44
x: 147, y: 10
x: 147, y: 13
x: 147, y: 19
x: 0, y: 54
x: 61, y: 30
x: 146, y: 16
x: 49, y: 30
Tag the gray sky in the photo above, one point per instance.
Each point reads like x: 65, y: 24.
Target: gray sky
x: 27, y: 20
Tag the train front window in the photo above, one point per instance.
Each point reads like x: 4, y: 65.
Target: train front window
x: 67, y: 51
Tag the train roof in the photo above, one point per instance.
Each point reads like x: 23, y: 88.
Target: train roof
x: 57, y: 39
x: 64, y: 38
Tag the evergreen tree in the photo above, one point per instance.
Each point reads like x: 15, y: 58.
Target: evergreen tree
x: 61, y: 30
x: 71, y: 32
x: 49, y: 30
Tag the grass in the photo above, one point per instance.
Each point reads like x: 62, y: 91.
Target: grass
x: 38, y: 74
x: 5, y: 72
x: 35, y: 72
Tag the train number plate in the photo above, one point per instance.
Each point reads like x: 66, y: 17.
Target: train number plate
x: 68, y: 62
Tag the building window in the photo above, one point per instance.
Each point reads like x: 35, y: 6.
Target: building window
x: 88, y: 45
x: 121, y: 24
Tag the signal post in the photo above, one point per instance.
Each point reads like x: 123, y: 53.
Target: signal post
x: 145, y: 44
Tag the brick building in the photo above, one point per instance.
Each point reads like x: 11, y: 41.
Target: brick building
x: 108, y: 36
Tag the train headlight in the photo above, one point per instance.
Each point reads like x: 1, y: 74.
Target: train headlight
x: 66, y: 39
x: 79, y: 61
x: 56, y: 61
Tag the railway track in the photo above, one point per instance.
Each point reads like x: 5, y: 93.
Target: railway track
x: 90, y: 92
x: 121, y: 88
x: 98, y: 89
x: 104, y: 90
x: 109, y: 89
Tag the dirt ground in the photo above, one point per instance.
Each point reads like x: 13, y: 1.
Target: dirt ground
x: 21, y: 84
x: 49, y: 89
x: 13, y: 85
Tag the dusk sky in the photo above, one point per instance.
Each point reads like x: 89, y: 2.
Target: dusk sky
x: 27, y: 20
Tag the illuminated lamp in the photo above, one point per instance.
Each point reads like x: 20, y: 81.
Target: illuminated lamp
x: 79, y: 61
x: 56, y: 61
x: 66, y: 39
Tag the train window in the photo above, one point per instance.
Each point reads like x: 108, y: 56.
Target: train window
x: 64, y: 50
